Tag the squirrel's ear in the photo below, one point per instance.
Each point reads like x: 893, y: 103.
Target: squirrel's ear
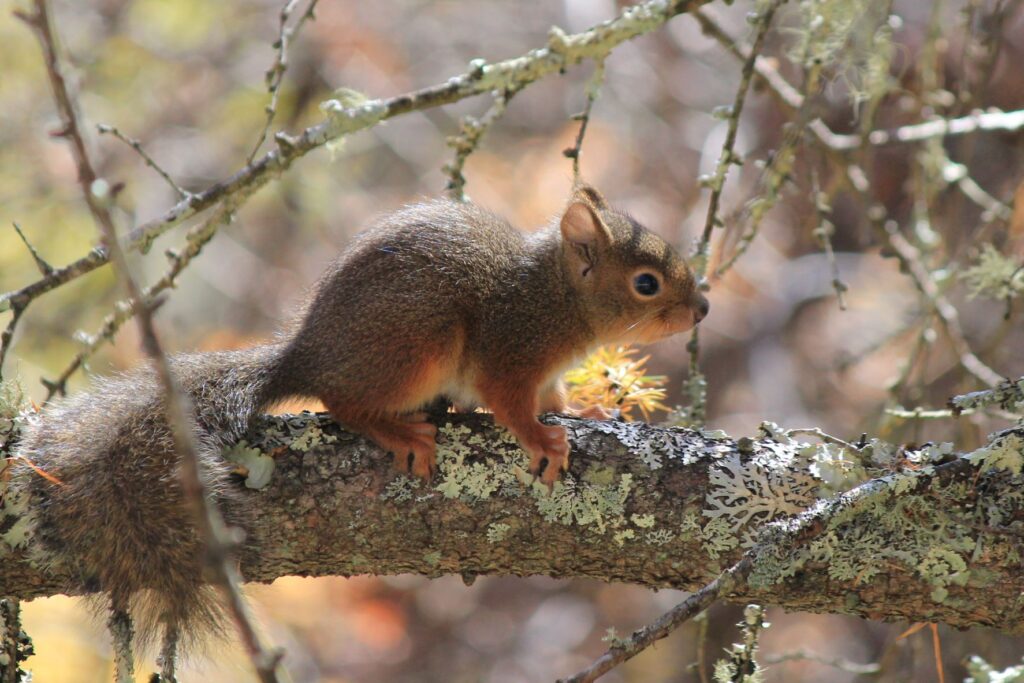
x: 585, y: 234
x: 590, y: 194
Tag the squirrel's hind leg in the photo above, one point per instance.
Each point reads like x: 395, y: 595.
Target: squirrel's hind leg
x: 385, y: 413
x: 402, y: 436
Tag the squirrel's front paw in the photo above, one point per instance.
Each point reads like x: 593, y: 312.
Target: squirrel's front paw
x: 419, y: 442
x: 550, y: 444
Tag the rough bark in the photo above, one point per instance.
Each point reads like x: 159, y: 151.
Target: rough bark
x: 644, y: 505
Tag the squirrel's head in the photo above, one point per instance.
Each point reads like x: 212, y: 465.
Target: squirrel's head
x: 635, y: 287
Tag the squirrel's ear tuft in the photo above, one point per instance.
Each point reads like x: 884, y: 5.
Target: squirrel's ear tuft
x: 585, y: 232
x: 589, y: 193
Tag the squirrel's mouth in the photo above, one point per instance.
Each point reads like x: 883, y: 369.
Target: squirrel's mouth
x: 662, y: 325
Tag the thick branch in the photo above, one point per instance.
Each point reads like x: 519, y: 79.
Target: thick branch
x: 655, y: 507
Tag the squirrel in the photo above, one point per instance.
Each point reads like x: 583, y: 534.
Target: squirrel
x: 439, y: 299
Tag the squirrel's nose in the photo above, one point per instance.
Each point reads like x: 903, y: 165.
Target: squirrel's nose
x: 700, y: 310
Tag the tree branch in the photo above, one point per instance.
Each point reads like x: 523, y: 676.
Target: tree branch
x: 644, y: 505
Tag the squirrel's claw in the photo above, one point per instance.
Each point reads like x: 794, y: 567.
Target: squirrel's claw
x: 415, y: 439
x: 553, y: 450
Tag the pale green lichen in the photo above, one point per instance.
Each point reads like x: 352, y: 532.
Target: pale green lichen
x: 719, y: 537
x: 433, y: 558
x: 1004, y: 452
x: 597, y: 502
x: 497, y: 532
x: 620, y: 537
x: 942, y: 567
x: 643, y: 521
x: 13, y: 412
x: 310, y: 437
x: 587, y: 505
x: 400, y: 489
x: 504, y: 474
x: 257, y: 465
x: 659, y: 537
x: 995, y: 276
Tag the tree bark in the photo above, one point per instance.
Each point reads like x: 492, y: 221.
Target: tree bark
x: 644, y: 505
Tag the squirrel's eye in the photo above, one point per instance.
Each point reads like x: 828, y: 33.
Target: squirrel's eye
x: 646, y: 284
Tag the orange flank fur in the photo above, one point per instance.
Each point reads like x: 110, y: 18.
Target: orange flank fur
x: 386, y: 417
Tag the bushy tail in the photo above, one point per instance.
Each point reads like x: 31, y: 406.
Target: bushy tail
x: 118, y: 522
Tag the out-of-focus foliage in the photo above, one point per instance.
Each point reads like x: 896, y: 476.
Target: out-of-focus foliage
x: 186, y: 79
x: 995, y: 275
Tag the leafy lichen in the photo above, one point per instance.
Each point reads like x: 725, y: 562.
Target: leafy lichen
x: 497, y: 532
x: 257, y: 466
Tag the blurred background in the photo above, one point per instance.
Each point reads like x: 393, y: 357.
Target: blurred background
x: 186, y: 79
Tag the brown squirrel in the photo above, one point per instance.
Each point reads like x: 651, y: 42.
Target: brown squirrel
x: 437, y: 299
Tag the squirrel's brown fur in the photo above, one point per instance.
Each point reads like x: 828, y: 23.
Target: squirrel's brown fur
x: 439, y: 298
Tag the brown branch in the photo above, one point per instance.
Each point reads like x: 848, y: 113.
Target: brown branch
x: 334, y: 506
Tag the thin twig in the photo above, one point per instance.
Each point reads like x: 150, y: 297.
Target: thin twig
x: 275, y: 74
x: 18, y: 308
x: 137, y: 146
x: 44, y: 267
x: 827, y: 438
x: 178, y: 409
x: 823, y: 232
x: 471, y: 132
x: 727, y: 158
x: 195, y: 240
x: 593, y: 89
x: 910, y: 258
x: 840, y: 663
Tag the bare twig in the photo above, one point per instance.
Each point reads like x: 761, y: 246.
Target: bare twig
x: 823, y: 232
x: 957, y: 174
x: 44, y: 267
x: 702, y: 643
x: 195, y: 240
x: 275, y: 74
x: 643, y: 638
x: 827, y: 438
x: 593, y: 90
x: 727, y: 158
x: 471, y: 131
x: 137, y: 146
x: 910, y: 258
x: 18, y: 308
x: 178, y: 410
x: 845, y: 665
